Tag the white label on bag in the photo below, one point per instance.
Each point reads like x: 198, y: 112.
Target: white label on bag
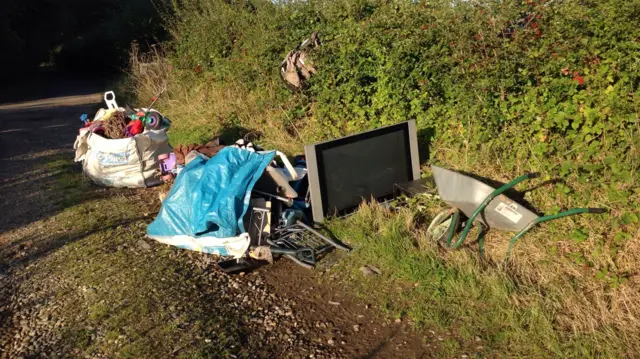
x: 112, y: 158
x: 509, y: 211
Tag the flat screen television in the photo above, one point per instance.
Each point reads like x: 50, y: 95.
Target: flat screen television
x: 344, y: 172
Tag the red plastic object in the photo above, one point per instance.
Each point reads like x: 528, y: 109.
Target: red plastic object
x: 134, y: 127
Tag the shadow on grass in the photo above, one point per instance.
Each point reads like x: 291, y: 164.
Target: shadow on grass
x: 230, y: 135
x: 42, y: 186
x: 425, y: 136
x: 33, y: 247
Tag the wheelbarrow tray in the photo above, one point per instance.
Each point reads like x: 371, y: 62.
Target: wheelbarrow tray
x: 467, y: 193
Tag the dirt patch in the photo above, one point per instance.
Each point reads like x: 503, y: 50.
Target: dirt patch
x: 354, y: 325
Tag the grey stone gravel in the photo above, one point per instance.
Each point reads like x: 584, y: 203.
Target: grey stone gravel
x: 272, y: 320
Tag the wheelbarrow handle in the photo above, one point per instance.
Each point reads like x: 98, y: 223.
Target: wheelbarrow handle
x: 598, y: 210
x: 539, y: 220
x: 486, y: 202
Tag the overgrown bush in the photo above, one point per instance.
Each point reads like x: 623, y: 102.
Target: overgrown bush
x: 498, y: 88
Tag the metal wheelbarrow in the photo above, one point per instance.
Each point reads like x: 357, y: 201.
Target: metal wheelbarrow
x: 486, y: 206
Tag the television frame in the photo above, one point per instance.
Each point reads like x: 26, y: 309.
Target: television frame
x: 311, y: 154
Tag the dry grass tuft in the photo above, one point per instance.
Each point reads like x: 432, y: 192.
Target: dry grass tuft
x: 584, y: 276
x: 206, y: 109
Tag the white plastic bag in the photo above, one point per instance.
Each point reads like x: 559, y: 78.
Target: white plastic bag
x: 127, y: 162
x: 234, y: 247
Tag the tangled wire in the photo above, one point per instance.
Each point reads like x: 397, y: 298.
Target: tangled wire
x: 115, y: 126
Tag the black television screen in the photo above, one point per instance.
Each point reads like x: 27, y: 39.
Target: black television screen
x: 346, y: 171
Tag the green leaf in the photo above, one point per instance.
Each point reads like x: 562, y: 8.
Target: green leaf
x: 629, y: 218
x: 566, y: 168
x: 622, y: 236
x: 579, y: 235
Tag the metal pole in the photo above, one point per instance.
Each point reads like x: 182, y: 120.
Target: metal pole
x: 287, y: 201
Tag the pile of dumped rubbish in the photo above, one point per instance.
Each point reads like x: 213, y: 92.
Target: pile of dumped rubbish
x: 116, y: 122
x: 249, y: 205
x: 239, y: 202
x: 120, y: 145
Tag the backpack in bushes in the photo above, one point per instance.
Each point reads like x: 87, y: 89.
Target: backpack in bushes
x: 296, y: 69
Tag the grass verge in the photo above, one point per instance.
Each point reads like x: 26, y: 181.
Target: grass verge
x: 100, y: 290
x: 505, y: 316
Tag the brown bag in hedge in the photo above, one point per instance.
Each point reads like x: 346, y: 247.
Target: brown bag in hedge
x: 296, y: 69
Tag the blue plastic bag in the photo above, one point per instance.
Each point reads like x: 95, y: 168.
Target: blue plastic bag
x: 209, y: 198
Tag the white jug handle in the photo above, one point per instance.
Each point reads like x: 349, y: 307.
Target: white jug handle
x: 110, y: 100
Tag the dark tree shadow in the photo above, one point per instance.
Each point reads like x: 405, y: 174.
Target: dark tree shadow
x: 229, y: 135
x: 44, y: 246
x: 425, y: 136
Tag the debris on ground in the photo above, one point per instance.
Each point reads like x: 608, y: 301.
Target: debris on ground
x: 243, y: 203
x: 77, y: 279
x: 209, y: 149
x: 485, y: 206
x: 115, y: 126
x: 297, y: 67
x: 250, y: 208
x: 369, y: 271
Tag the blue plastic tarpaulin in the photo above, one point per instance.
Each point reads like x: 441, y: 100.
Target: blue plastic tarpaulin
x: 208, y: 201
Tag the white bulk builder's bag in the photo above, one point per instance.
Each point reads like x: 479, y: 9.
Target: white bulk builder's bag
x: 126, y: 162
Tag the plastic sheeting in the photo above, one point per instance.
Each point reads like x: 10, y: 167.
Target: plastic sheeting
x: 208, y: 200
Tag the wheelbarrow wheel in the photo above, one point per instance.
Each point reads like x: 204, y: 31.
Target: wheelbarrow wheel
x: 443, y: 226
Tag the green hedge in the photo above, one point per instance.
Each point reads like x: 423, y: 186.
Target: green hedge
x: 557, y: 92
